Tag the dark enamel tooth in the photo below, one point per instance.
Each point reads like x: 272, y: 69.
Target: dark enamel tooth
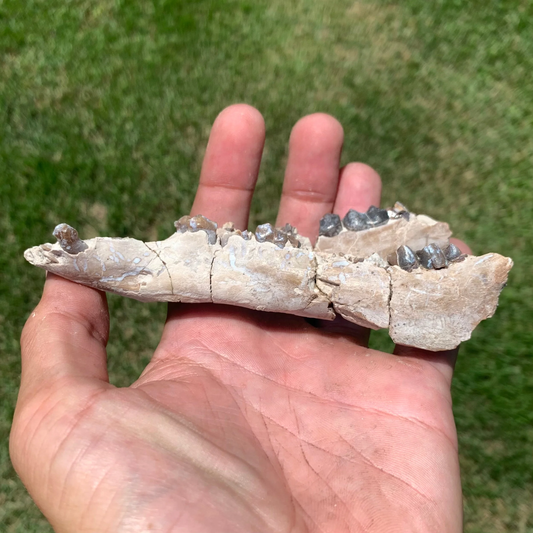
x: 377, y: 216
x: 452, y: 253
x: 264, y: 233
x: 355, y: 221
x: 431, y: 256
x: 406, y: 258
x: 68, y: 239
x: 330, y: 225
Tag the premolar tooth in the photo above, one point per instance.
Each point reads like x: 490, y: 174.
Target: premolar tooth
x: 330, y: 225
x: 68, y: 239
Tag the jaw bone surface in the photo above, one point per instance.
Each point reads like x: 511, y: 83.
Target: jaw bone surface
x: 430, y: 309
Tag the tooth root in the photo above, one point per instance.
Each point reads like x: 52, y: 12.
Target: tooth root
x: 68, y: 239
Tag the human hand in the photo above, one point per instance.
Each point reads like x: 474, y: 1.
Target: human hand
x: 242, y: 421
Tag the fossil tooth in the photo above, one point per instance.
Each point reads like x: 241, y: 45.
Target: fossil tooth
x: 68, y: 239
x: 199, y: 222
x: 355, y: 221
x: 287, y: 233
x: 432, y: 256
x: 264, y: 233
x: 399, y: 211
x: 183, y: 224
x: 377, y: 216
x: 407, y: 259
x: 280, y: 238
x: 398, y: 207
x: 452, y: 253
x: 330, y: 225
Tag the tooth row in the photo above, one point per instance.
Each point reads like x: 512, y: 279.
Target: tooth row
x: 430, y: 257
x: 331, y: 224
x: 264, y: 232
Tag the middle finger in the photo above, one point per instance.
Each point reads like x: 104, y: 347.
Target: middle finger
x: 312, y: 174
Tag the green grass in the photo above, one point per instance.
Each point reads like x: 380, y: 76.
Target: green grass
x: 105, y: 109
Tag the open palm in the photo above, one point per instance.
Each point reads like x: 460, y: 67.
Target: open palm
x: 242, y: 421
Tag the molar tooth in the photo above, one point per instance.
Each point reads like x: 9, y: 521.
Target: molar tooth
x: 452, y: 253
x: 406, y: 258
x: 264, y: 233
x: 68, y: 239
x: 280, y: 238
x: 432, y: 256
x: 330, y: 225
x: 355, y: 221
x: 377, y: 216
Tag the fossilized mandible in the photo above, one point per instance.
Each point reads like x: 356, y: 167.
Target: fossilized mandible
x: 386, y: 268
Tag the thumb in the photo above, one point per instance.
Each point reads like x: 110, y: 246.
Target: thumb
x: 65, y: 336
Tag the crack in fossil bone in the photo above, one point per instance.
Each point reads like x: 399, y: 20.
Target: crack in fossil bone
x: 164, y: 264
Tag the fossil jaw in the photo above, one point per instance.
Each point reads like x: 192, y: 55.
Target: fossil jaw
x: 428, y: 294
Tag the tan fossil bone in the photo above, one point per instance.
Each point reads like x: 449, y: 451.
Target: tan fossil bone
x: 424, y: 308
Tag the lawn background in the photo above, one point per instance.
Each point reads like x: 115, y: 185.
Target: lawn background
x: 105, y: 110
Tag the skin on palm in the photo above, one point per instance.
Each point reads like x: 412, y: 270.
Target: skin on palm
x: 242, y: 421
